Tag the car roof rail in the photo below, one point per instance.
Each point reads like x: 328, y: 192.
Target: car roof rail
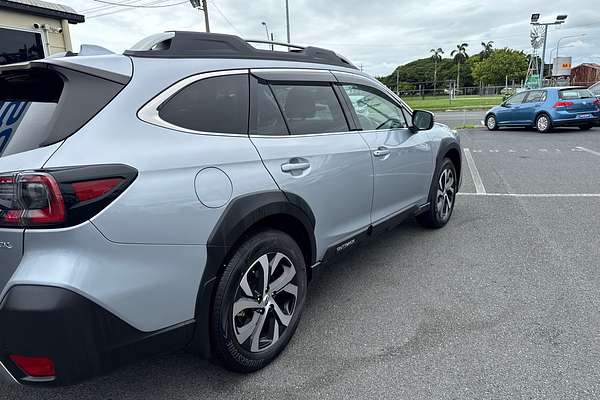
x: 181, y: 44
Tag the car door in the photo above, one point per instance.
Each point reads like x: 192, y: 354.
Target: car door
x: 303, y: 136
x: 532, y: 103
x: 510, y: 112
x: 402, y: 159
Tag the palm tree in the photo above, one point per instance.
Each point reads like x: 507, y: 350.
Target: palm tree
x: 460, y: 56
x: 487, y: 49
x: 436, y: 56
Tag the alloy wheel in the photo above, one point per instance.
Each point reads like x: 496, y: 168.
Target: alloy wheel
x: 491, y: 123
x: 445, y: 194
x: 265, y: 302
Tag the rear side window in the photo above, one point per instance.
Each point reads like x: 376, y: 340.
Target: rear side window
x: 310, y: 108
x: 265, y: 115
x: 218, y: 104
x: 574, y: 94
x: 41, y: 106
x: 595, y: 89
x: 536, y: 96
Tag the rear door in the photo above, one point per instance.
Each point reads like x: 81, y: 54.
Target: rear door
x: 532, y: 104
x: 402, y: 159
x: 301, y: 131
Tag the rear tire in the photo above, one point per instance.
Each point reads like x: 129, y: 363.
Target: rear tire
x: 585, y: 127
x: 258, y: 301
x: 491, y: 122
x: 442, y: 197
x: 543, y: 123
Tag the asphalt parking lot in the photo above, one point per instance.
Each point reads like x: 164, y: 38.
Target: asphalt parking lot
x: 502, y: 303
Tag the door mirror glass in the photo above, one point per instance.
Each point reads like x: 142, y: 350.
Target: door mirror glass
x: 422, y: 120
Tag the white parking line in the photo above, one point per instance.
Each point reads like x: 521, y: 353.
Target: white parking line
x: 588, y: 151
x: 479, y: 188
x: 549, y: 195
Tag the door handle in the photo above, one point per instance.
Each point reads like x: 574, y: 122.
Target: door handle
x: 381, y: 152
x: 290, y: 167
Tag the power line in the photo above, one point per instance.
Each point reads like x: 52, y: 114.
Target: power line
x: 131, y: 9
x: 225, y: 17
x: 139, y: 5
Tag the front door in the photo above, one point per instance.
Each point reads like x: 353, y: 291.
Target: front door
x: 532, y: 104
x: 311, y: 153
x: 402, y: 159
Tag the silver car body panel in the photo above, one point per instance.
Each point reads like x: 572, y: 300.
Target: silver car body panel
x: 143, y: 256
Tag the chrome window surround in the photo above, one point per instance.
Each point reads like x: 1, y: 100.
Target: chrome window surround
x: 149, y: 112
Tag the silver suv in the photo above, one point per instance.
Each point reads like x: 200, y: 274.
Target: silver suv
x: 183, y: 195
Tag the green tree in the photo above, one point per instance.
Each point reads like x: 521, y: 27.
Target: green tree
x: 460, y: 56
x: 499, y: 65
x: 436, y: 57
x: 488, y: 47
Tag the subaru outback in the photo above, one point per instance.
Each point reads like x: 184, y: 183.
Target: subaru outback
x: 182, y: 196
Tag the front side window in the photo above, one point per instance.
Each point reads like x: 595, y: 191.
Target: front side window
x: 373, y: 109
x: 218, y: 104
x: 310, y: 108
x: 536, y: 96
x: 516, y: 99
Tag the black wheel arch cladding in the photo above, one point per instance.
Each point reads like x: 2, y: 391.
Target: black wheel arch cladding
x: 239, y: 217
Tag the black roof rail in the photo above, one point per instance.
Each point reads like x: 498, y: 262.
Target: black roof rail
x: 180, y: 44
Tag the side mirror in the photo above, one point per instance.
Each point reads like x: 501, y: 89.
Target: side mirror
x: 505, y: 105
x: 422, y: 120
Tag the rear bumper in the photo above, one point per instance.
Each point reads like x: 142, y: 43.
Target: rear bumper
x: 80, y: 337
x: 565, y: 118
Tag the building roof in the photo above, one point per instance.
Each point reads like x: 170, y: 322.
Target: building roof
x: 44, y: 9
x: 589, y: 65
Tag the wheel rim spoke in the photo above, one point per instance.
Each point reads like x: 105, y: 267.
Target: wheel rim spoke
x: 284, y: 279
x: 257, y: 331
x: 264, y: 263
x: 243, y: 333
x: 244, y: 304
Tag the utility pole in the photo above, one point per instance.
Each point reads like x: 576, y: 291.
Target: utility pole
x: 205, y: 9
x: 202, y: 6
x: 397, y: 81
x: 287, y: 19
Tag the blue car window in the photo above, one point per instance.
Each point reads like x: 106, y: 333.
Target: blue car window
x: 536, y: 96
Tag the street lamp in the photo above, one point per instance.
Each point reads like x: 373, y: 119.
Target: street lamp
x: 535, y: 20
x: 269, y: 36
x: 566, y: 37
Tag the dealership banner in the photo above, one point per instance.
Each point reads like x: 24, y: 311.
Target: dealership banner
x: 11, y: 115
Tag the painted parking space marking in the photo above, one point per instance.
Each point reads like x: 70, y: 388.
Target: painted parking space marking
x: 548, y: 195
x: 588, y: 151
x: 479, y: 188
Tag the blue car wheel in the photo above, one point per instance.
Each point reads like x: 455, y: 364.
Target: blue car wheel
x: 543, y: 123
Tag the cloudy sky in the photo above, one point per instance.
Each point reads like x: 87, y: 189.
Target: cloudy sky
x: 377, y: 34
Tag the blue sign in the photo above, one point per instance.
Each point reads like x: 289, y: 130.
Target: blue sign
x: 11, y: 115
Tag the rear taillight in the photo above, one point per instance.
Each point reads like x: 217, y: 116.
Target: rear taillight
x: 61, y: 197
x: 597, y: 102
x: 559, y: 104
x: 36, y: 367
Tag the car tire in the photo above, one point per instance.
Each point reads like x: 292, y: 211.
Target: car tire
x: 267, y: 308
x: 543, y: 123
x: 442, y: 197
x: 585, y: 127
x: 491, y: 123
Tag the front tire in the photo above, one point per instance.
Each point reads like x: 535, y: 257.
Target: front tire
x: 543, y: 123
x: 258, y: 301
x: 585, y: 127
x: 442, y: 197
x: 491, y: 123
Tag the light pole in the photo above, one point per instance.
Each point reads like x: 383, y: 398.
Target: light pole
x: 566, y: 37
x: 287, y: 19
x: 560, y: 19
x: 269, y: 36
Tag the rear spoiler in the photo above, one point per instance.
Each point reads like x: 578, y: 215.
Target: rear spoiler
x: 83, y: 64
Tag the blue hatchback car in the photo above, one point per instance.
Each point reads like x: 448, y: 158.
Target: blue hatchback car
x: 546, y: 109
